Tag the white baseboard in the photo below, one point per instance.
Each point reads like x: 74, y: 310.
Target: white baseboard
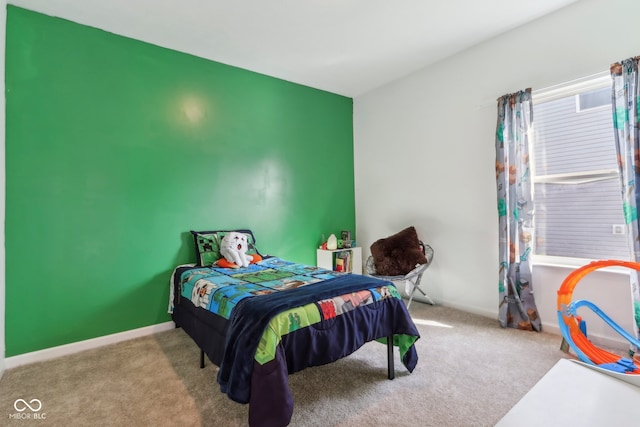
x: 491, y: 314
x: 64, y: 350
x: 612, y: 342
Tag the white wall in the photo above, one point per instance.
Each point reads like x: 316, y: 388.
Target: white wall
x: 3, y: 24
x: 424, y: 148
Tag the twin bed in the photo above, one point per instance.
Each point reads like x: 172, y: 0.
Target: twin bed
x: 276, y: 317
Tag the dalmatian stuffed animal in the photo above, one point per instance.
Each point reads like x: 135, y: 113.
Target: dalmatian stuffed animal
x: 234, y: 249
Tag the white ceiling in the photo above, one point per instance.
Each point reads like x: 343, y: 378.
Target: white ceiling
x: 346, y: 47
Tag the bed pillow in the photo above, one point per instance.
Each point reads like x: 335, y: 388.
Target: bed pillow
x: 207, y: 245
x: 397, y: 255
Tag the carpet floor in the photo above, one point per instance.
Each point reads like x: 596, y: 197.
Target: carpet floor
x: 470, y: 373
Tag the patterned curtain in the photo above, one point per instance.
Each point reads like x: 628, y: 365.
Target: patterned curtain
x: 625, y: 98
x: 517, y: 307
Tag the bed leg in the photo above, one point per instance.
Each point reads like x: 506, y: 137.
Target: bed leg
x: 390, y: 369
x: 201, y: 358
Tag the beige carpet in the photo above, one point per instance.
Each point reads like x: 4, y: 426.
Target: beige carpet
x: 470, y: 373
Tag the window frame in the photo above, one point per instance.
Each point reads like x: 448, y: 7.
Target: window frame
x: 551, y: 93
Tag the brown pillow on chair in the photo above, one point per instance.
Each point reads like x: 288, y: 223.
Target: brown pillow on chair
x: 397, y: 255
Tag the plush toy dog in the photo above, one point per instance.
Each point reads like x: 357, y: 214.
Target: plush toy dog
x: 234, y: 249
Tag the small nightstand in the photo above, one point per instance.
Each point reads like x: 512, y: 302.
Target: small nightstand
x: 347, y: 259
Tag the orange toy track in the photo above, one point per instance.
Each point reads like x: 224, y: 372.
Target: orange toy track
x: 570, y: 323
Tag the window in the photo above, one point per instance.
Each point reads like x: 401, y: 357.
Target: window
x: 593, y: 99
x: 577, y: 192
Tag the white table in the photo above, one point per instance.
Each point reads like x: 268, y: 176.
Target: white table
x: 571, y: 394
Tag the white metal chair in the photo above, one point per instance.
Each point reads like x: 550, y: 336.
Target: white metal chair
x: 412, y: 279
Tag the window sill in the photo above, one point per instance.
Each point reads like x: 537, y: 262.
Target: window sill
x: 572, y: 263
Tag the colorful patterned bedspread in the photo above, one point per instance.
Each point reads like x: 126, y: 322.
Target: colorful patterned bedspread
x: 220, y: 289
x: 320, y: 308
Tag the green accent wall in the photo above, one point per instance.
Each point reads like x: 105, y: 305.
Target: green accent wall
x: 116, y: 148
